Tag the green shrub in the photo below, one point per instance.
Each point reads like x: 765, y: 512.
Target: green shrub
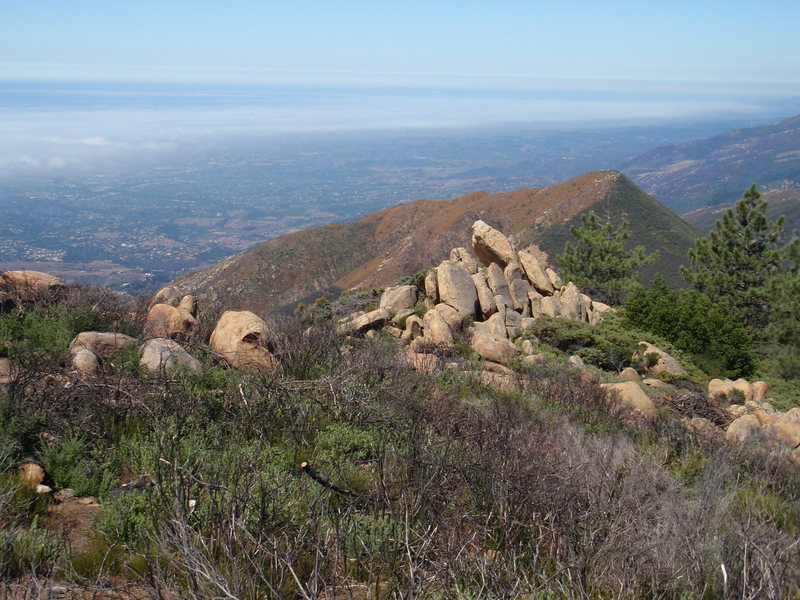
x: 127, y: 518
x: 72, y: 464
x: 718, y: 343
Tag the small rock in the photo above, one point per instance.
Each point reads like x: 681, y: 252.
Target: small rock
x: 656, y: 383
x: 743, y: 429
x: 31, y: 473
x: 576, y: 361
x: 493, y: 367
x: 633, y: 396
x: 85, y: 362
x: 664, y: 363
x: 43, y: 489
x: 437, y: 331
x: 161, y: 354
x: 402, y: 314
x: 535, y: 359
x: 630, y: 374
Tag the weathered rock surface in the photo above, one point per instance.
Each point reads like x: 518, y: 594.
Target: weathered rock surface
x: 496, y: 280
x: 456, y: 288
x: 630, y: 374
x: 743, y: 429
x: 26, y: 285
x: 398, y: 297
x: 535, y: 273
x: 633, y: 396
x: 432, y: 287
x: 162, y: 355
x: 85, y: 362
x: 485, y: 295
x: 491, y: 246
x: 359, y: 324
x: 493, y: 348
x: 168, y: 295
x: 106, y: 345
x: 168, y: 321
x: 463, y: 256
x: 437, y: 331
x: 239, y: 336
x: 664, y: 363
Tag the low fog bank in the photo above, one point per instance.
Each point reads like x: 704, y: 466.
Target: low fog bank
x: 67, y: 131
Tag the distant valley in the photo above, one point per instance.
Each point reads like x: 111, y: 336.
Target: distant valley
x: 136, y: 230
x: 718, y: 169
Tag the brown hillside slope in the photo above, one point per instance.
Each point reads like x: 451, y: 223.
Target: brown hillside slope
x: 384, y: 245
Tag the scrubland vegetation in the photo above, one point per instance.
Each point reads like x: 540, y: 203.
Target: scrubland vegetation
x: 346, y: 474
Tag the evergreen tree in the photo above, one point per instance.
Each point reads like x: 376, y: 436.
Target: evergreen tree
x: 598, y: 263
x: 738, y: 262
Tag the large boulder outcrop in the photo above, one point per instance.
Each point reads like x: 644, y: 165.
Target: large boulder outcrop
x: 631, y: 395
x: 456, y: 288
x: 491, y: 246
x: 161, y: 355
x: 106, y: 345
x: 168, y: 321
x: 25, y: 285
x: 239, y: 337
x: 398, y: 297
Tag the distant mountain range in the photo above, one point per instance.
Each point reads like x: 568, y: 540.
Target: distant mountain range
x: 718, y: 169
x: 785, y: 202
x: 380, y: 247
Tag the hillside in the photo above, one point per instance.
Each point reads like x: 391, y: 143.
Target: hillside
x: 784, y: 202
x: 384, y: 245
x: 718, y: 169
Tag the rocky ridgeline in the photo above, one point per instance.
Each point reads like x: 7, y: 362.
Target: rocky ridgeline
x: 491, y: 294
x: 499, y: 294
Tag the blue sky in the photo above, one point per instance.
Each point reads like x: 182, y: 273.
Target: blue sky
x: 505, y: 43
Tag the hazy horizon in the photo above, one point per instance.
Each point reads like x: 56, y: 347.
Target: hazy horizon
x: 64, y: 128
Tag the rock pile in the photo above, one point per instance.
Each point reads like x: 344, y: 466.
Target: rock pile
x: 494, y: 292
x: 25, y: 286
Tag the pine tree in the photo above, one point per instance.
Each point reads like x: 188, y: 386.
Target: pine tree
x: 738, y: 262
x: 598, y: 263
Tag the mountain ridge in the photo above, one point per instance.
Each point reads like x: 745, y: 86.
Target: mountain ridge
x: 718, y: 169
x: 381, y: 246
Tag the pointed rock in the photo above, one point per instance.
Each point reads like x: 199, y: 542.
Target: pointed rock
x: 485, y: 296
x: 498, y: 283
x: 554, y: 278
x: 491, y: 246
x: 464, y: 257
x: 432, y: 286
x: 535, y: 273
x: 456, y: 288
